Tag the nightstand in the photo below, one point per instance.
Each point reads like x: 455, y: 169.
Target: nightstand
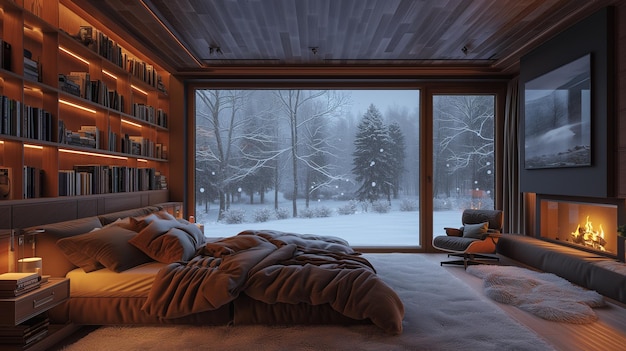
x: 19, y: 309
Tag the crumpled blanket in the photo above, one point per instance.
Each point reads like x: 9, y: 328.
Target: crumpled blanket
x: 271, y: 267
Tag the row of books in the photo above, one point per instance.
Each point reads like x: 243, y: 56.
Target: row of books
x: 25, y: 121
x: 33, y: 182
x: 112, y: 51
x: 138, y: 146
x: 16, y: 284
x: 101, y: 179
x: 37, y: 124
x: 91, y: 136
x: 150, y: 114
x: 93, y: 90
x: 85, y: 180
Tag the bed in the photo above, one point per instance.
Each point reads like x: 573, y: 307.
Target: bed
x: 144, y: 266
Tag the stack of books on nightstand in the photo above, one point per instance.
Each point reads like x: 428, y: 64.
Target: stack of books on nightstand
x: 16, y: 284
x: 26, y: 333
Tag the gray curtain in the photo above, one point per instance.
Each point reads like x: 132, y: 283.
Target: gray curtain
x: 513, y: 200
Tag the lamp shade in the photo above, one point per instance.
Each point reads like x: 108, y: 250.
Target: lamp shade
x: 30, y: 265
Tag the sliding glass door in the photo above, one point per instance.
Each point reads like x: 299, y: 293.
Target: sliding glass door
x: 463, y: 157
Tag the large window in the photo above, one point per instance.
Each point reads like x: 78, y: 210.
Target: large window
x: 328, y: 162
x: 463, y: 157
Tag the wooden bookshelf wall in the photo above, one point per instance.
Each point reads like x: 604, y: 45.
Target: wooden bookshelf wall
x: 49, y: 31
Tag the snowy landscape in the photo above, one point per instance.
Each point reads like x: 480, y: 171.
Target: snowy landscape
x: 342, y: 163
x: 362, y: 229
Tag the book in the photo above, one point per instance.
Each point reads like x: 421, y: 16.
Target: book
x: 27, y: 328
x: 6, y: 190
x: 5, y: 55
x: 7, y: 294
x: 61, y: 132
x: 16, y: 279
x: 25, y: 339
x: 15, y: 284
x: 67, y: 182
x: 33, y: 182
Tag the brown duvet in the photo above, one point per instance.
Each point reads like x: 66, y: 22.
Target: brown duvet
x: 276, y: 267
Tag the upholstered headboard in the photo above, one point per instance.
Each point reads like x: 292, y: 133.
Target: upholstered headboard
x: 55, y: 263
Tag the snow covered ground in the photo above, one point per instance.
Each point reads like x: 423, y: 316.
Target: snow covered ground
x: 395, y: 228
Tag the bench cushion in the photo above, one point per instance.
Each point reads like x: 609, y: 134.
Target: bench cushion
x: 578, y: 266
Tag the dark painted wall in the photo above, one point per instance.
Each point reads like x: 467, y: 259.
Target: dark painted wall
x: 592, y: 35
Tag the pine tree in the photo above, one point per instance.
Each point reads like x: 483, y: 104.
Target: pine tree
x: 397, y: 156
x: 371, y: 161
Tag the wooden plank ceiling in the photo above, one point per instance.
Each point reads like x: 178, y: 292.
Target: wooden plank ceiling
x: 213, y: 36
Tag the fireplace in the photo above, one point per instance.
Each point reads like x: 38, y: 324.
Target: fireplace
x: 585, y: 223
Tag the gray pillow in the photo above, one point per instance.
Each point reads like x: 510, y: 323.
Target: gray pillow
x: 107, y: 247
x: 475, y: 231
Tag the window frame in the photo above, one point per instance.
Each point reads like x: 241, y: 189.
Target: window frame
x: 427, y: 88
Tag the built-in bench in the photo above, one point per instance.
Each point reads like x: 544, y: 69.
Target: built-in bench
x: 592, y: 271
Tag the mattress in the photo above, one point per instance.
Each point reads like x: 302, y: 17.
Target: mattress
x: 134, y: 282
x: 104, y: 297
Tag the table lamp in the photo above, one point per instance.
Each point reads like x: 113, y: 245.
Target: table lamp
x: 27, y: 264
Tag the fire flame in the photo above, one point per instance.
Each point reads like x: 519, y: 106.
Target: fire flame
x: 587, y: 236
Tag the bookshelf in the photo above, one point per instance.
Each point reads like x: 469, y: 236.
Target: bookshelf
x: 78, y: 112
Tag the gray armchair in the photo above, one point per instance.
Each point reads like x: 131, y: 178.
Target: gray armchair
x: 473, y: 242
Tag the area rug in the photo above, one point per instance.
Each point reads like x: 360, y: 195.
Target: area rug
x: 441, y: 313
x: 543, y: 294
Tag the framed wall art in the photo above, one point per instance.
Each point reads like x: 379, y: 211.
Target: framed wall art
x: 557, y: 119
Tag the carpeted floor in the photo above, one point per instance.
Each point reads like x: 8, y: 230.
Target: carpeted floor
x: 441, y: 313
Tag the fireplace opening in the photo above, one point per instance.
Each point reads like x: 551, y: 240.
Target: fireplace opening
x: 587, y: 224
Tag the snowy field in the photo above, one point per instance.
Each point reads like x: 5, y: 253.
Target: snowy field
x: 395, y: 228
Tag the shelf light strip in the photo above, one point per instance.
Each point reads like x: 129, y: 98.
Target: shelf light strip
x: 109, y: 74
x: 35, y: 90
x: 139, y: 89
x: 92, y: 154
x: 141, y: 160
x: 77, y: 106
x: 131, y: 123
x: 31, y: 146
x: 73, y: 55
x: 32, y: 29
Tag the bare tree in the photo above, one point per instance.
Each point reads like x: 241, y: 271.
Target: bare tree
x: 466, y: 125
x: 319, y: 103
x: 225, y: 133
